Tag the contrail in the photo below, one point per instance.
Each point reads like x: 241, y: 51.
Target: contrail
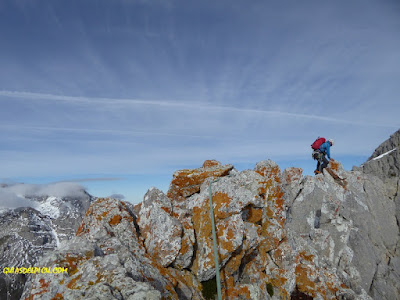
x: 104, y: 131
x: 205, y: 106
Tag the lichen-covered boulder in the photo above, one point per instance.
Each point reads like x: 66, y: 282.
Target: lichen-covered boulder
x: 162, y: 233
x: 187, y: 182
x: 235, y: 199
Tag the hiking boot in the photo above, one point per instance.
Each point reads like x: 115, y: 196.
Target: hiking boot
x: 316, y: 172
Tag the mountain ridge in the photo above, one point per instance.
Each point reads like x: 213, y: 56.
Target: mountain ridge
x: 281, y: 235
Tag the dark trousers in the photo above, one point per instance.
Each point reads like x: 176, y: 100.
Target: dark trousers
x: 322, y: 162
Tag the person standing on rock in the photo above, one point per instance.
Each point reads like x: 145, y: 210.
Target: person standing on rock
x: 324, y: 149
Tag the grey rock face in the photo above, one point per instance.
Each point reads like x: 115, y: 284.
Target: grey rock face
x: 121, y: 269
x: 357, y: 233
x: 385, y: 161
x: 28, y: 233
x: 161, y: 232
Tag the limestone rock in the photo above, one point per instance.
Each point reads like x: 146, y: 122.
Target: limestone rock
x: 161, y: 232
x: 385, y: 161
x: 187, y: 182
x: 106, y: 260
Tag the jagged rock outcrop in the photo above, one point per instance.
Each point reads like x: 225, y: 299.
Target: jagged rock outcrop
x: 108, y: 260
x: 281, y: 235
x: 28, y: 233
x: 385, y: 164
x: 385, y: 161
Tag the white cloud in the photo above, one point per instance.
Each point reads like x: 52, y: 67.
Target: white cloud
x: 14, y: 195
x: 9, y: 199
x: 117, y: 196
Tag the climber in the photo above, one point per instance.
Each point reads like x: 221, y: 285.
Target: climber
x: 319, y: 155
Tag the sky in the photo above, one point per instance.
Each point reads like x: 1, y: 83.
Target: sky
x: 117, y: 95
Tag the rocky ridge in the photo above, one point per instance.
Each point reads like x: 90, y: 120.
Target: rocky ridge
x: 385, y: 164
x: 281, y: 235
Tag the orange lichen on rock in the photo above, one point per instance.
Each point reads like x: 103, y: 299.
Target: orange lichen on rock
x: 234, y: 262
x: 221, y: 202
x: 225, y: 235
x: 201, y: 220
x: 273, y: 172
x: 332, y: 285
x: 303, y: 256
x: 73, y: 282
x: 82, y: 229
x: 334, y: 165
x: 211, y: 163
x: 187, y: 182
x: 58, y: 296
x: 272, y: 227
x: 178, y: 279
x: 304, y: 283
x: 292, y: 174
x: 104, y: 212
x: 253, y: 214
x: 43, y: 288
x: 71, y: 261
x: 115, y: 220
x: 232, y: 290
x: 203, y: 229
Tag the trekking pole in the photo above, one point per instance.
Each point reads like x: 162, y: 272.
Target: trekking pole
x: 217, y: 277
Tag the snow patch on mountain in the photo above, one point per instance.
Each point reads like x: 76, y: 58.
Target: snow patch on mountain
x: 50, y: 207
x: 384, y: 154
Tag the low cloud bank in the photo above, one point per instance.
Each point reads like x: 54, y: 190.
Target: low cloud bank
x: 117, y: 196
x: 14, y: 196
x: 11, y: 200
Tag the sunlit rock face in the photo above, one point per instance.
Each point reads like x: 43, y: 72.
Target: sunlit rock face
x: 187, y: 182
x: 280, y: 235
x: 162, y: 233
x: 27, y: 233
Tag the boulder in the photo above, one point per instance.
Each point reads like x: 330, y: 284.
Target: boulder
x: 187, y: 182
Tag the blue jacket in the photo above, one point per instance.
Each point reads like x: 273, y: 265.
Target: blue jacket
x: 326, y: 148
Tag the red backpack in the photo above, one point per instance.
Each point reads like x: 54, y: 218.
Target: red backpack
x: 318, y: 142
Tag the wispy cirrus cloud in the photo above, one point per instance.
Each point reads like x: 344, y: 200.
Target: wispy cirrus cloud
x: 71, y: 100
x: 99, y: 131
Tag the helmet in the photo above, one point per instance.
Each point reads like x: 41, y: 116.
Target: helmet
x: 331, y: 141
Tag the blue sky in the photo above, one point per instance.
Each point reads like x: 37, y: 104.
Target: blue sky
x: 128, y: 91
